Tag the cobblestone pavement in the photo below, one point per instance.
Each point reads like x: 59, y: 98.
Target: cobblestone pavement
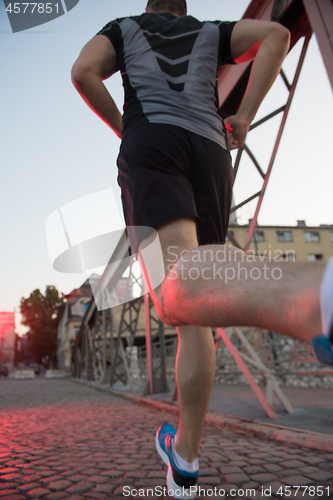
x: 62, y: 440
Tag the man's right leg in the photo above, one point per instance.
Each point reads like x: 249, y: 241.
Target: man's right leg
x: 221, y: 286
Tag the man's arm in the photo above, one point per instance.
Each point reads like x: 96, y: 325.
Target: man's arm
x: 98, y: 61
x: 267, y: 44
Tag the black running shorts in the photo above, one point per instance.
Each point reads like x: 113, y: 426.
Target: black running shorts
x: 167, y: 172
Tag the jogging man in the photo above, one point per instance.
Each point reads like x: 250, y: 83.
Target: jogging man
x: 175, y: 174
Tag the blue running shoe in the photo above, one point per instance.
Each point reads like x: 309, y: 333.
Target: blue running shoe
x: 322, y: 345
x: 181, y: 484
x: 323, y: 349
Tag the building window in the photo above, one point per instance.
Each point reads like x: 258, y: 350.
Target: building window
x: 290, y: 256
x: 311, y: 236
x: 315, y: 256
x: 284, y: 236
x: 258, y: 236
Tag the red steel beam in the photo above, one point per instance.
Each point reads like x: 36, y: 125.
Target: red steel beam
x: 320, y: 14
x: 233, y: 78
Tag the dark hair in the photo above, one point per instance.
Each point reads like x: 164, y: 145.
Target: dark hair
x: 176, y: 6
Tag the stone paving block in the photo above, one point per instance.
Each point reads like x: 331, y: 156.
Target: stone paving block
x: 238, y: 463
x: 9, y: 478
x: 135, y: 474
x: 90, y: 472
x: 104, y: 488
x: 98, y: 479
x: 103, y: 465
x: 58, y: 495
x: 208, y: 482
x: 15, y: 496
x: 288, y: 472
x: 129, y: 467
x: 28, y: 486
x: 124, y: 461
x: 272, y: 468
x: 7, y: 470
x: 76, y: 497
x: 76, y: 478
x: 218, y: 464
x: 118, y: 490
x: 228, y: 487
x: 112, y: 473
x: 59, y: 485
x: 230, y: 470
x: 151, y: 467
x: 263, y: 478
x: 321, y: 476
x: 95, y: 494
x: 326, y: 465
x: 257, y: 455
x: 14, y: 463
x: 312, y: 460
x: 80, y: 487
x: 250, y: 486
x: 273, y: 460
x: 47, y: 473
x: 158, y: 474
x: 37, y: 493
x: 71, y: 472
x: 29, y: 478
x: 308, y: 468
x: 8, y: 486
x: 298, y: 481
x: 6, y: 493
x: 215, y: 456
x: 254, y: 469
x: 47, y: 480
x: 237, y: 478
x: 292, y: 464
x: 256, y: 461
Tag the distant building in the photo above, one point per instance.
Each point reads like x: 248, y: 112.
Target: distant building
x: 299, y: 242
x: 70, y: 317
x: 7, y: 339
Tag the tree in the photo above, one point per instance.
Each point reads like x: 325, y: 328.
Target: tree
x: 40, y: 313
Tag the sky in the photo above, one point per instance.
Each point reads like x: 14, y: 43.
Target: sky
x: 54, y: 150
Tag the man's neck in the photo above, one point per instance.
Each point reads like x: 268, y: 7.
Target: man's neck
x: 164, y: 12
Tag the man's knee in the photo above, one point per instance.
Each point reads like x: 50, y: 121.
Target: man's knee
x: 173, y: 301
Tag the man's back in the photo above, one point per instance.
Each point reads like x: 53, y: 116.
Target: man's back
x: 169, y: 67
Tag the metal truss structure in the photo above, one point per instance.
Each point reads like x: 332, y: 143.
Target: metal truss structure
x: 302, y: 18
x: 104, y: 350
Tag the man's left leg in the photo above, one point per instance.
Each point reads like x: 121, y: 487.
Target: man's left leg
x: 195, y: 363
x: 195, y: 371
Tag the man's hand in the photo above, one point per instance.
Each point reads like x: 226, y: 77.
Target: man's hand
x: 98, y: 61
x: 237, y: 130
